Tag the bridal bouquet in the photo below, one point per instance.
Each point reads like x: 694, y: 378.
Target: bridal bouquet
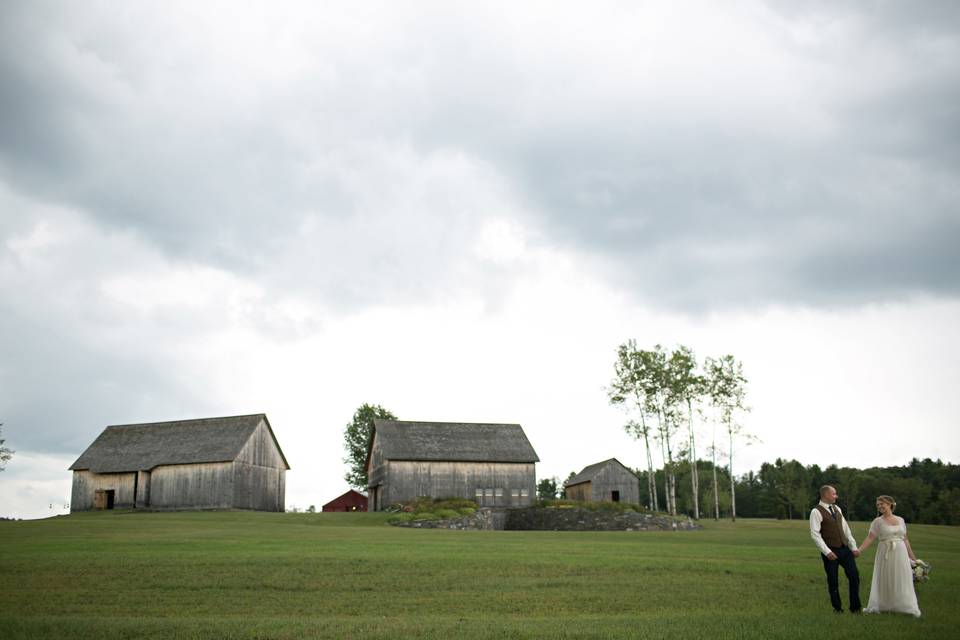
x: 921, y: 571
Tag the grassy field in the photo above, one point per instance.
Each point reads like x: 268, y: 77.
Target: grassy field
x: 259, y: 575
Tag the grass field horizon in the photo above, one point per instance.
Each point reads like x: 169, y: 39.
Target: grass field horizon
x: 276, y: 575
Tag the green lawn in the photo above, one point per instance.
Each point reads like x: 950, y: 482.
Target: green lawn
x: 260, y: 575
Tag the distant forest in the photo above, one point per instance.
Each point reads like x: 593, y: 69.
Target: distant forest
x: 926, y: 491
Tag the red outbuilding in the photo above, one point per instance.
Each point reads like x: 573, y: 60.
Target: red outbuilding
x: 350, y: 501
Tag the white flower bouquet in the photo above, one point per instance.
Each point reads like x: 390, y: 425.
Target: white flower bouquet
x: 921, y: 571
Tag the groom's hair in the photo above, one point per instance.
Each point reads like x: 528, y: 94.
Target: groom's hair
x: 823, y: 489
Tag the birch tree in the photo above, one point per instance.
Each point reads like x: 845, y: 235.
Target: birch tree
x: 727, y: 389
x: 685, y: 388
x: 629, y: 390
x: 661, y: 405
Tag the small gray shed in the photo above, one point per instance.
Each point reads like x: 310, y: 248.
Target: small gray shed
x: 607, y: 481
x: 232, y: 462
x: 492, y: 464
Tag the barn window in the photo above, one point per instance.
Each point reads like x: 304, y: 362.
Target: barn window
x: 524, y: 493
x: 499, y: 492
x: 515, y: 493
x: 479, y: 493
x: 488, y: 493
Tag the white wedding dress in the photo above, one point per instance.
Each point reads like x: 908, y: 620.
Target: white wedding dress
x: 892, y: 586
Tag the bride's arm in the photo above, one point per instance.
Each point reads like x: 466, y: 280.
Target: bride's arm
x: 867, y: 541
x: 906, y: 542
x: 871, y: 536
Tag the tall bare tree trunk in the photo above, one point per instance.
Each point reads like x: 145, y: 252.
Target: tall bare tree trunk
x: 672, y: 480
x: 694, y: 472
x: 733, y: 485
x: 665, y: 455
x: 716, y: 489
x: 651, y: 476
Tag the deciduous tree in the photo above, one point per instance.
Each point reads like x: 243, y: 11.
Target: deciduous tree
x: 685, y: 388
x: 633, y: 379
x: 356, y: 440
x: 547, y: 489
x: 727, y: 389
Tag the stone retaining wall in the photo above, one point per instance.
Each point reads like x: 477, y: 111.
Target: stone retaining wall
x: 556, y: 519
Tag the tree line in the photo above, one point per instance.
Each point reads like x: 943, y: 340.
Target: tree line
x: 927, y: 491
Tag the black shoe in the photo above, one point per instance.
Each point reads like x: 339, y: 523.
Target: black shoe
x: 857, y: 611
x: 838, y: 610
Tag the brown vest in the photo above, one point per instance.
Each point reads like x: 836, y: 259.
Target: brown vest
x: 831, y: 530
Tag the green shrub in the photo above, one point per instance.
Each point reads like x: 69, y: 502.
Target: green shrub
x: 400, y: 517
x: 467, y: 511
x: 425, y: 515
x: 447, y: 514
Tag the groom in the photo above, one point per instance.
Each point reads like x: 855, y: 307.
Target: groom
x: 830, y: 533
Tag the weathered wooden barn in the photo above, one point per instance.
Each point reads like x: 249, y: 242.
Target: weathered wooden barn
x: 350, y: 501
x: 212, y: 463
x: 492, y: 464
x: 607, y: 481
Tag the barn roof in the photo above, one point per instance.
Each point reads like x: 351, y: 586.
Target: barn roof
x: 135, y: 447
x: 453, y: 441
x: 590, y: 471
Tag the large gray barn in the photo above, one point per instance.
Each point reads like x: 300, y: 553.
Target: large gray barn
x: 492, y: 464
x: 211, y: 463
x: 607, y: 481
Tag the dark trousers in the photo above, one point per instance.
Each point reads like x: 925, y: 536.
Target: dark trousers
x: 846, y: 560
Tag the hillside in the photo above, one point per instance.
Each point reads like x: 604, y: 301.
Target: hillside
x: 260, y: 575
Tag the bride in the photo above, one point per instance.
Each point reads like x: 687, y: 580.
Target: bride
x: 892, y: 586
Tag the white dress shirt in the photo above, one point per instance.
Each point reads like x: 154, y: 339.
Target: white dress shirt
x: 816, y: 518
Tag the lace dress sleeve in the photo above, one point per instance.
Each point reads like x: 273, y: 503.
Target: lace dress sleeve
x: 875, y: 527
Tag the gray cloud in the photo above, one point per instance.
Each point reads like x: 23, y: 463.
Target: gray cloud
x: 813, y: 164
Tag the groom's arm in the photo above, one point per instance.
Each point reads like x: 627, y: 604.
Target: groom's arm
x: 851, y: 543
x: 815, y: 520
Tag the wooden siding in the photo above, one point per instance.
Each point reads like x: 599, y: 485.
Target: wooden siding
x: 143, y: 489
x: 503, y: 483
x: 258, y: 488
x: 580, y: 492
x: 375, y: 462
x: 192, y: 486
x: 613, y: 477
x: 86, y: 483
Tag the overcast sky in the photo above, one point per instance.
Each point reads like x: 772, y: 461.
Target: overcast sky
x: 218, y: 208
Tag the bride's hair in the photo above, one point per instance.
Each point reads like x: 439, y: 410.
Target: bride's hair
x: 890, y: 501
